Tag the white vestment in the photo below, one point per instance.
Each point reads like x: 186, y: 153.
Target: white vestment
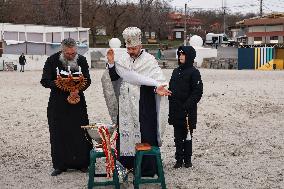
x: 144, y: 70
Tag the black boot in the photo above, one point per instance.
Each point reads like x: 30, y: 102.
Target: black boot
x: 178, y: 164
x: 187, y: 153
x: 187, y: 162
x: 179, y: 153
x: 56, y: 172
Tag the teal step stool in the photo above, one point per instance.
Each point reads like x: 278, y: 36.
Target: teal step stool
x: 94, y: 154
x: 138, y: 160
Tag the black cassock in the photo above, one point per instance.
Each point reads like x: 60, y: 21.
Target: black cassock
x: 148, y: 127
x: 70, y: 145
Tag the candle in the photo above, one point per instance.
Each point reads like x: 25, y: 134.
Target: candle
x: 69, y: 70
x: 57, y: 71
x: 79, y: 70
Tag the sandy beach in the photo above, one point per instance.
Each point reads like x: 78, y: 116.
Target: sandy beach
x: 239, y: 141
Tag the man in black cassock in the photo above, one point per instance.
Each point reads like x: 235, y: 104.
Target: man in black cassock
x: 70, y: 145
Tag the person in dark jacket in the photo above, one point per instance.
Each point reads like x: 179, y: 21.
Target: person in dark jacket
x: 22, y: 62
x: 187, y: 89
x: 70, y: 145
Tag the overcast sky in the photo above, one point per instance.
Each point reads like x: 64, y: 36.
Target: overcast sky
x: 243, y: 6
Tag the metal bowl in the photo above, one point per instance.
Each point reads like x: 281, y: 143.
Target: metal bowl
x: 92, y: 130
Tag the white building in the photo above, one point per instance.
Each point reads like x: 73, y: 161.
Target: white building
x: 38, y: 42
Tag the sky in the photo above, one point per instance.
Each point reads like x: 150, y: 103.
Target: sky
x: 243, y: 6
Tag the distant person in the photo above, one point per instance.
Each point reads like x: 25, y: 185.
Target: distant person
x: 159, y: 54
x: 70, y: 145
x: 22, y: 62
x: 163, y: 58
x: 187, y: 89
x: 162, y: 54
x: 215, y: 43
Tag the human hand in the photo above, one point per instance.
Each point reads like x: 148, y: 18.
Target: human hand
x: 74, y: 97
x: 110, y: 56
x: 162, y: 91
x: 74, y: 93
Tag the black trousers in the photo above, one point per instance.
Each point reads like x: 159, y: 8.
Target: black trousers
x: 183, y: 146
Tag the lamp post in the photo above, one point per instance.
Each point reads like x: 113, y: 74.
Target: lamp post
x: 81, y: 13
x: 224, y: 14
x: 184, y: 37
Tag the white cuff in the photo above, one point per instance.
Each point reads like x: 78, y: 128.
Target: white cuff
x: 110, y: 65
x: 155, y: 90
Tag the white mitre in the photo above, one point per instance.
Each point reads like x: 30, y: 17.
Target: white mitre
x: 132, y: 36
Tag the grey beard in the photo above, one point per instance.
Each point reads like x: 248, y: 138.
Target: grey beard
x: 72, y: 63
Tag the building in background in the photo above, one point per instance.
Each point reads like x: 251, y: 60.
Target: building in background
x: 265, y: 30
x: 176, y: 25
x: 38, y: 42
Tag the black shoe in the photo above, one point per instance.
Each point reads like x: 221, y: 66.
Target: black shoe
x: 178, y: 164
x: 187, y: 164
x: 84, y: 170
x: 56, y: 172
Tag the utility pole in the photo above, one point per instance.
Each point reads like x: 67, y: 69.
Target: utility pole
x: 260, y: 8
x: 224, y: 15
x: 185, y: 16
x: 81, y: 20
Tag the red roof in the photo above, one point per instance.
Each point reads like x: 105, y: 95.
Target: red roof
x: 264, y: 21
x: 178, y: 19
x: 271, y: 19
x: 175, y: 15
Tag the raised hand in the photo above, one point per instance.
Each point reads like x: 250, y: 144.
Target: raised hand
x: 110, y: 56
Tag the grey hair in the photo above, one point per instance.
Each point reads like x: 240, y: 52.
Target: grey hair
x: 69, y: 42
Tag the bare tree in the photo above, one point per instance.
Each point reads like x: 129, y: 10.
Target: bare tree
x: 145, y: 10
x: 159, y: 18
x: 152, y: 16
x: 2, y: 8
x: 114, y: 15
x: 93, y: 16
x: 115, y: 11
x: 11, y: 11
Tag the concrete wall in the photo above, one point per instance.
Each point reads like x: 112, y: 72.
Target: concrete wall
x: 220, y: 63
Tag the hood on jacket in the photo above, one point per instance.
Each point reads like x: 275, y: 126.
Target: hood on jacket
x: 190, y: 55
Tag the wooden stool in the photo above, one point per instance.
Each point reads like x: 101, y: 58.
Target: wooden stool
x: 94, y: 154
x: 140, y: 152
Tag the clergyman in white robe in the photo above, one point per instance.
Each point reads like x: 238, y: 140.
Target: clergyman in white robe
x: 139, y: 117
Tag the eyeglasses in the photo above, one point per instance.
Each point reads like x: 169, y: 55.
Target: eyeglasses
x: 70, y: 54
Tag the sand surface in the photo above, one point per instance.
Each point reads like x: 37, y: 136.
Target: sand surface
x: 239, y: 141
